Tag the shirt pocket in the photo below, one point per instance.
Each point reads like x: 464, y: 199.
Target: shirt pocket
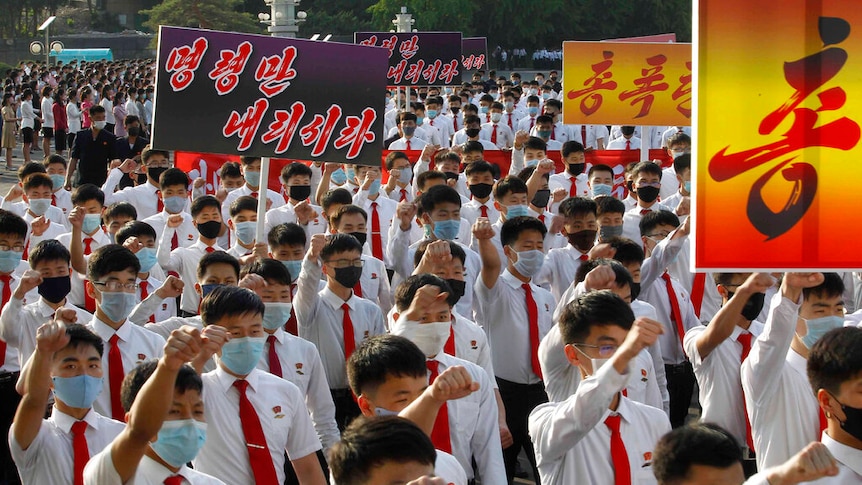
x: 466, y: 418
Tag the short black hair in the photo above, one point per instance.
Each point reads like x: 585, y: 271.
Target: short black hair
x: 49, y: 250
x: 229, y: 301
x: 120, y: 209
x: 423, y: 178
x: 347, y: 209
x: 627, y: 251
x: 340, y: 243
x: 380, y: 357
x: 577, y: 206
x: 682, y: 163
x: 470, y: 146
x: 599, y: 167
x: 187, y: 380
x: 509, y: 184
x: 270, y: 270
x: 37, y: 180
x: 438, y: 194
x: 455, y: 250
x: 371, y: 442
x: 605, y: 204
x: 646, y: 167
x: 512, y: 228
x: 294, y: 169
x: 678, y: 138
x: 80, y: 335
x: 695, y: 444
x: 12, y: 224
x: 243, y: 203
x: 834, y: 359
x: 54, y: 158
x: 396, y: 155
x: 287, y: 234
x: 247, y: 160
x: 149, y: 151
x: 406, y: 290
x: 536, y: 143
x: 29, y: 169
x: 622, y: 277
x: 203, y: 202
x: 595, y: 309
x: 654, y: 219
x: 831, y: 287
x: 230, y: 169
x: 173, y: 177
x: 216, y: 257
x: 479, y: 166
x: 570, y: 147
x: 336, y: 196
x: 111, y: 258
x: 87, y: 192
x: 134, y: 229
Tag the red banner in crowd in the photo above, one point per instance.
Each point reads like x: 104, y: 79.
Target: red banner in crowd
x: 207, y: 165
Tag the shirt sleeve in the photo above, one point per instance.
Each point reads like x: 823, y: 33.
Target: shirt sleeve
x: 319, y: 403
x: 485, y: 443
x: 10, y: 329
x: 100, y: 470
x: 307, y: 296
x: 302, y: 439
x: 762, y: 369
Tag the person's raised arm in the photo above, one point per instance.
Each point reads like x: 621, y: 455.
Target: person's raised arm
x: 535, y: 181
x: 325, y: 180
x: 398, y: 245
x: 483, y: 233
x: 164, y: 254
x: 76, y: 245
x: 453, y: 383
x: 309, y: 281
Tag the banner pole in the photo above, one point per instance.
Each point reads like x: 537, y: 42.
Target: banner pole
x: 262, y: 198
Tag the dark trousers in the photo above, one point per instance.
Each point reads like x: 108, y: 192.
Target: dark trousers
x: 9, y: 400
x: 346, y: 408
x: 519, y: 401
x: 680, y: 386
x: 290, y: 477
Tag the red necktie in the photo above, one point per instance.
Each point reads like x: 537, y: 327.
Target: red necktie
x: 89, y: 302
x: 258, y: 452
x: 455, y: 122
x: 449, y: 348
x: 494, y: 135
x: 645, y: 212
x: 619, y: 457
x: 80, y: 450
x: 542, y: 217
x: 349, y: 336
x: 532, y: 122
x: 274, y: 363
x: 697, y: 288
x: 175, y: 240
x: 357, y: 289
x: 573, y: 190
x: 509, y: 116
x: 376, y: 240
x: 553, y: 133
x: 403, y: 195
x: 144, y: 294
x: 53, y: 200
x: 675, y: 313
x: 408, y: 145
x: 745, y: 340
x: 88, y: 241
x: 584, y: 135
x: 115, y: 378
x: 174, y: 480
x: 484, y: 210
x: 584, y: 257
x: 440, y: 433
x: 628, y: 144
x: 533, y: 314
x: 160, y: 205
x: 7, y: 293
x: 210, y: 249
x: 254, y: 194
x: 290, y: 326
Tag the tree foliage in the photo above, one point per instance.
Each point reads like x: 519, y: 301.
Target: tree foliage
x: 21, y: 18
x: 206, y: 14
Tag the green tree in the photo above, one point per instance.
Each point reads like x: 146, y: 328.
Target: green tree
x: 206, y: 14
x: 335, y: 23
x: 431, y: 15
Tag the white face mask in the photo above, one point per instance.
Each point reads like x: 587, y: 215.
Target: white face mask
x: 99, y: 125
x: 597, y: 364
x: 429, y: 337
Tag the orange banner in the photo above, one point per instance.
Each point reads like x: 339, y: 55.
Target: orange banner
x: 623, y: 83
x: 778, y: 110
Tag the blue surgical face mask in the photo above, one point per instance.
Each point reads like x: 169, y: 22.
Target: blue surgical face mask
x: 79, y: 391
x: 9, y: 260
x: 483, y: 109
x: 374, y: 189
x: 532, y: 110
x: 420, y: 120
x: 207, y: 289
x: 432, y: 113
x: 240, y: 355
x: 276, y: 315
x: 293, y: 267
x: 544, y: 134
x: 179, y: 441
x: 532, y: 162
x: 252, y: 178
x: 519, y: 210
x: 245, y: 231
x: 175, y: 204
x: 529, y: 262
x: 39, y: 206
x: 687, y: 186
x: 117, y: 305
x: 817, y: 327
x: 91, y: 224
x: 58, y: 180
x: 447, y: 229
x: 601, y: 189
x: 406, y: 175
x: 147, y: 258
x: 351, y: 173
x: 338, y: 177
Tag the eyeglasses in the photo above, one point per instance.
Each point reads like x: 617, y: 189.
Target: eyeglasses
x: 658, y: 235
x: 345, y: 263
x: 165, y: 163
x: 116, y: 286
x: 604, y: 350
x: 18, y: 248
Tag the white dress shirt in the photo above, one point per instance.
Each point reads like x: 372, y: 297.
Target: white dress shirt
x: 144, y: 197
x: 166, y: 309
x: 781, y: 406
x: 319, y: 318
x: 187, y: 233
x: 386, y: 209
x: 563, y: 180
x: 559, y: 269
x: 849, y: 462
x: 276, y: 198
x: 506, y: 322
x: 280, y: 408
x: 285, y: 214
x: 374, y: 283
x: 401, y: 144
x: 19, y: 322
x: 185, y: 262
x: 471, y: 344
x: 473, y: 210
x: 100, y: 238
x: 447, y: 467
x: 137, y: 344
x: 573, y: 445
x: 671, y: 342
x: 301, y: 365
x: 632, y: 219
x: 100, y: 470
x: 505, y: 136
x: 620, y: 143
x: 50, y: 457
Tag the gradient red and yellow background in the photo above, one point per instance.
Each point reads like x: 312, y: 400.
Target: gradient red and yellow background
x: 741, y: 50
x: 629, y: 59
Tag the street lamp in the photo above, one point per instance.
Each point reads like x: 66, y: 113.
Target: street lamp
x: 36, y: 47
x: 284, y: 19
x: 403, y: 21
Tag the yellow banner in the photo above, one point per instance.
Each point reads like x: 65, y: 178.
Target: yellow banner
x: 623, y: 83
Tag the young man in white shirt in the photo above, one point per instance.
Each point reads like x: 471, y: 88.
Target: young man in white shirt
x: 140, y: 238
x: 480, y: 183
x: 296, y: 178
x: 146, y: 197
x: 112, y: 273
x: 835, y: 371
x: 580, y: 228
x: 511, y: 116
x: 497, y: 133
x: 335, y: 319
x: 680, y: 144
x: 173, y: 200
x: 408, y: 141
x: 374, y: 283
x: 646, y: 185
x: 38, y: 194
x: 398, y: 186
x: 472, y: 132
x: 528, y: 122
x: 573, y: 180
x: 250, y: 167
x: 682, y: 179
x: 379, y: 208
x: 598, y: 436
x: 783, y: 412
x: 86, y: 237
x: 164, y: 399
x: 67, y: 360
x: 441, y: 124
x: 255, y: 417
x: 627, y: 140
x: 243, y: 226
x: 609, y: 216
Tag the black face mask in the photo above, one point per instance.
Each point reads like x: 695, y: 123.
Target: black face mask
x: 349, y: 276
x: 541, y: 198
x: 299, y: 192
x: 753, y: 306
x: 55, y: 289
x: 360, y: 236
x: 576, y: 169
x: 647, y: 194
x: 472, y: 132
x: 454, y: 109
x: 141, y: 177
x: 134, y: 131
x: 155, y: 172
x: 852, y: 423
x: 209, y: 229
x: 480, y: 191
x: 630, y: 186
x: 458, y: 288
x: 451, y: 175
x: 582, y: 240
x: 636, y: 290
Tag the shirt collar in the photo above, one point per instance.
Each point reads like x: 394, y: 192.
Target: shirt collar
x: 511, y: 280
x: 279, y: 335
x: 44, y: 309
x: 797, y: 362
x: 200, y: 245
x: 335, y: 301
x: 106, y: 331
x: 65, y: 422
x: 225, y: 380
x: 847, y: 456
x: 159, y: 472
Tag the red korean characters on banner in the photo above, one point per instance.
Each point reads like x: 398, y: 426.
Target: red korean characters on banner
x: 418, y: 58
